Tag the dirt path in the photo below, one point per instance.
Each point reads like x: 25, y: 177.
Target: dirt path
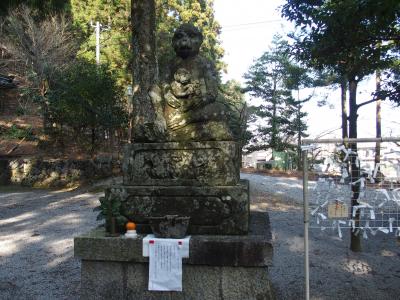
x: 37, y: 230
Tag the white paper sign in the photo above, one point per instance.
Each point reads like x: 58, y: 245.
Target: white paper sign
x: 165, y: 269
x: 182, y: 243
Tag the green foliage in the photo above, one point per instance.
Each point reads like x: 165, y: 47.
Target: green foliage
x: 391, y: 84
x: 45, y: 46
x: 108, y: 208
x: 115, y: 43
x: 111, y: 208
x: 345, y: 34
x: 232, y: 96
x: 86, y: 97
x: 15, y: 132
x: 271, y: 78
x: 354, y: 39
x: 42, y: 7
x: 172, y: 13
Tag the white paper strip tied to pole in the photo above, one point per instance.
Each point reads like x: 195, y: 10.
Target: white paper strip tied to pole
x: 318, y: 207
x: 352, y: 223
x: 361, y: 206
x: 361, y: 181
x: 391, y: 220
x: 377, y: 166
x: 388, y: 198
x: 165, y: 262
x: 397, y: 232
x: 345, y: 173
x: 346, y: 151
x: 337, y: 224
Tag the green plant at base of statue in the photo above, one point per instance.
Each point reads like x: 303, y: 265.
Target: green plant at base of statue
x: 110, y: 211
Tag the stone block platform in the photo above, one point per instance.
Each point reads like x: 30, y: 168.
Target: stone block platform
x: 212, y: 209
x: 218, y: 267
x: 214, y: 163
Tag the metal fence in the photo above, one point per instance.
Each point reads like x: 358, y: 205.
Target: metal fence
x: 350, y: 187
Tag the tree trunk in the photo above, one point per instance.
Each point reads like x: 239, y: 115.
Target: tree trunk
x: 355, y: 243
x: 145, y: 73
x: 343, y: 87
x: 378, y: 120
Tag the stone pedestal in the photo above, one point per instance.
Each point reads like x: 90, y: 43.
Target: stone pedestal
x: 213, y: 163
x: 218, y: 267
x: 200, y: 180
x: 212, y: 209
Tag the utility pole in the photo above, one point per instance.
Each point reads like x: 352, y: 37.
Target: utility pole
x: 98, y: 28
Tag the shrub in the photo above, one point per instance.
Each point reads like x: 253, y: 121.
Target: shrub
x: 86, y: 98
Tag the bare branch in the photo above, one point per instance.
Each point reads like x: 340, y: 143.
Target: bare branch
x: 46, y: 46
x: 367, y: 102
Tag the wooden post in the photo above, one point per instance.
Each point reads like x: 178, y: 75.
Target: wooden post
x: 355, y: 240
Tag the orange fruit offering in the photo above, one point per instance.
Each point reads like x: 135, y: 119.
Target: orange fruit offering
x: 130, y: 226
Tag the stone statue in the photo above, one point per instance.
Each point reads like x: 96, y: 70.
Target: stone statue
x: 192, y: 168
x: 188, y: 97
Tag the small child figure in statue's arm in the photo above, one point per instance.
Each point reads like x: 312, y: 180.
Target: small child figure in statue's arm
x: 184, y: 92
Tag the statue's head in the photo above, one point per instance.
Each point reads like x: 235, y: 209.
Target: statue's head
x: 182, y: 75
x: 187, y: 40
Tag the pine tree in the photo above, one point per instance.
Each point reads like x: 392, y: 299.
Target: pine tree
x: 279, y: 117
x: 347, y: 36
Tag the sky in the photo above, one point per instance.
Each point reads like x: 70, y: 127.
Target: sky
x: 247, y: 30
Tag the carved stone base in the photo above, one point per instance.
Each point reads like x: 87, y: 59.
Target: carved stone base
x: 218, y: 267
x: 212, y: 209
x: 182, y: 163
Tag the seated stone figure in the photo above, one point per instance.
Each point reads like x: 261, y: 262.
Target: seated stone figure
x: 183, y: 93
x: 189, y: 99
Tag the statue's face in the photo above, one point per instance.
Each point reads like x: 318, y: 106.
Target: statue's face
x: 187, y: 41
x: 182, y: 75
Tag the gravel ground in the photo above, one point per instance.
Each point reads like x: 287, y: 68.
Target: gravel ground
x: 335, y: 271
x: 36, y: 242
x: 37, y: 229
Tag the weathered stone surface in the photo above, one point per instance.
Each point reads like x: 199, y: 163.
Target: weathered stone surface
x: 212, y: 209
x: 251, y: 250
x: 37, y: 172
x: 102, y: 280
x: 182, y: 163
x: 186, y: 155
x: 218, y: 267
x: 187, y: 97
x: 169, y: 226
x: 111, y: 280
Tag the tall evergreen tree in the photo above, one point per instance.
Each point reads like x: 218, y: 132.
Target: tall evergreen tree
x: 42, y: 8
x: 297, y: 78
x: 344, y: 35
x: 171, y: 13
x: 279, y: 116
x: 115, y: 43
